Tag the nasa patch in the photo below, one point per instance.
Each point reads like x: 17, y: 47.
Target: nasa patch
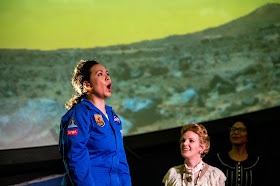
x: 72, y: 124
x: 117, y: 120
x: 72, y: 132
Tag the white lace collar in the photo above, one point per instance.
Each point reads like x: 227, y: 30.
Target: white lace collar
x: 195, y: 169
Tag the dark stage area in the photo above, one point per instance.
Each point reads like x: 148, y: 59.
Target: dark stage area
x: 149, y: 155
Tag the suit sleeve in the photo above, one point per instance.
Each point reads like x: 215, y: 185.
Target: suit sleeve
x: 124, y: 173
x: 75, y: 153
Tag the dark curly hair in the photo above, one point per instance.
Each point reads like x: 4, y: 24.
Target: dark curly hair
x: 81, y: 74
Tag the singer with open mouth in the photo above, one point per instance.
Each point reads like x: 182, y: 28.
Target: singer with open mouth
x: 91, y: 139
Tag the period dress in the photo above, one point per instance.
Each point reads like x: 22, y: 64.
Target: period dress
x: 183, y: 176
x: 244, y: 173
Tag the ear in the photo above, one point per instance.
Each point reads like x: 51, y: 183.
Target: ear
x: 87, y: 85
x: 202, y: 148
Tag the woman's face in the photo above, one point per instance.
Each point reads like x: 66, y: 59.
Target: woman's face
x: 238, y: 134
x: 100, y: 81
x: 190, y: 146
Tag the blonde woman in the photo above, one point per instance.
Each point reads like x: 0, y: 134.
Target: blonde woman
x: 194, y: 145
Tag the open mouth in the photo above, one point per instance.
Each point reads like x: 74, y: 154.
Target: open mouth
x: 185, y: 149
x: 109, y: 86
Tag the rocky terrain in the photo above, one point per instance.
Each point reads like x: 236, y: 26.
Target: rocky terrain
x: 157, y: 84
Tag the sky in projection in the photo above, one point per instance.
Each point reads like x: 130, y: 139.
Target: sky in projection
x: 54, y: 24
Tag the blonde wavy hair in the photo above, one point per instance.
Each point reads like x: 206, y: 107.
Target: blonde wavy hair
x: 201, y: 131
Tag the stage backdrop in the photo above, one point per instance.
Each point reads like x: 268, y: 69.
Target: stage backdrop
x: 171, y: 62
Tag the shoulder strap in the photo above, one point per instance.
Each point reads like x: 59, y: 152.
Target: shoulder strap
x: 205, y: 168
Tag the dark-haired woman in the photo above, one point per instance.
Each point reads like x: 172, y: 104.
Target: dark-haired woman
x: 240, y: 166
x: 91, y: 139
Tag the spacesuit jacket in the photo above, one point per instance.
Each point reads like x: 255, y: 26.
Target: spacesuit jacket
x: 92, y: 147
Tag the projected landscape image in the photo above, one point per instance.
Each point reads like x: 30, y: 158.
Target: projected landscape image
x: 157, y: 84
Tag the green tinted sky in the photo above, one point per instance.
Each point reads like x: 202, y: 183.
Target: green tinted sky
x: 52, y: 24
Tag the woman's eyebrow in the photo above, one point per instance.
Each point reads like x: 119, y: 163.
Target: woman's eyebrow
x: 99, y: 71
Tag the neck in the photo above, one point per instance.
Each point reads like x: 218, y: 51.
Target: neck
x: 239, y: 149
x: 98, y: 102
x: 238, y: 153
x: 192, y: 162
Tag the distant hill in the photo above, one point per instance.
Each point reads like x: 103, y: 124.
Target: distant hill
x: 158, y: 84
x: 265, y: 16
x: 262, y: 17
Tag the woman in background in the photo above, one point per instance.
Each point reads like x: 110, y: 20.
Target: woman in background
x: 91, y: 140
x: 240, y: 166
x: 194, y: 145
